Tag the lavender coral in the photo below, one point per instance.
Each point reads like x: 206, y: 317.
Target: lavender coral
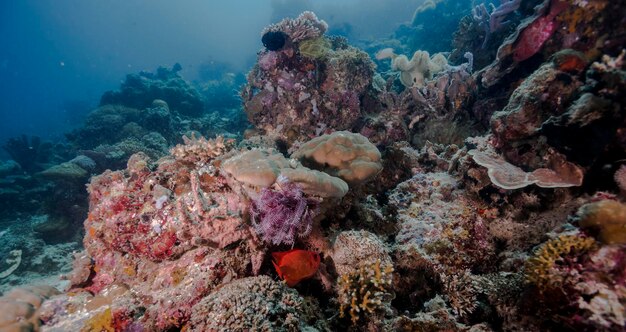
x: 281, y: 215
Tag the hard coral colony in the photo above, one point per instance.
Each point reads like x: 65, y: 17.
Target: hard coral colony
x: 374, y: 193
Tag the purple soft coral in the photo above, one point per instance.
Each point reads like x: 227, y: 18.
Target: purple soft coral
x: 279, y: 215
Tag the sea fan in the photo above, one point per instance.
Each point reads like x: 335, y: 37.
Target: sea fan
x: 280, y: 215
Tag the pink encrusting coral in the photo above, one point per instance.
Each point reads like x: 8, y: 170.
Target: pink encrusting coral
x: 156, y: 230
x: 537, y: 33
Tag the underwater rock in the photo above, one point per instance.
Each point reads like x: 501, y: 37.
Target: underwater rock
x: 256, y: 303
x: 293, y: 97
x: 139, y: 90
x: 353, y: 248
x: 31, y: 154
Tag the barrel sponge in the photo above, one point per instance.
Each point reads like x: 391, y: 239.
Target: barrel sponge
x: 347, y: 155
x: 607, y: 217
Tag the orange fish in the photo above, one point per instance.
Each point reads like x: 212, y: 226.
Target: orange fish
x: 295, y: 265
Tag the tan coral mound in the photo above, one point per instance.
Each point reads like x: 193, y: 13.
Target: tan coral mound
x: 259, y: 168
x: 19, y: 308
x: 343, y: 154
x: 608, y: 217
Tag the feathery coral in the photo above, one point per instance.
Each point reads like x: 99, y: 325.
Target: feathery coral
x: 281, y: 215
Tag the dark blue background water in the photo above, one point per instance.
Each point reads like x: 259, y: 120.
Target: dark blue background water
x: 58, y: 56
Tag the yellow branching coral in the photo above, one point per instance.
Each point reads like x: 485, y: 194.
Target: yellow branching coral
x: 366, y: 290
x: 540, y: 268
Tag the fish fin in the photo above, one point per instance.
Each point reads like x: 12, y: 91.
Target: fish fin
x: 278, y: 270
x: 278, y: 256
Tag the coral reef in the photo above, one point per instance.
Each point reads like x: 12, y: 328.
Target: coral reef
x: 260, y: 168
x: 556, y: 25
x: 352, y: 248
x: 31, y: 154
x: 539, y: 267
x: 438, y: 112
x: 507, y: 176
x: 14, y: 259
x: 139, y: 90
x: 346, y: 155
x: 424, y: 197
x: 294, y: 95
